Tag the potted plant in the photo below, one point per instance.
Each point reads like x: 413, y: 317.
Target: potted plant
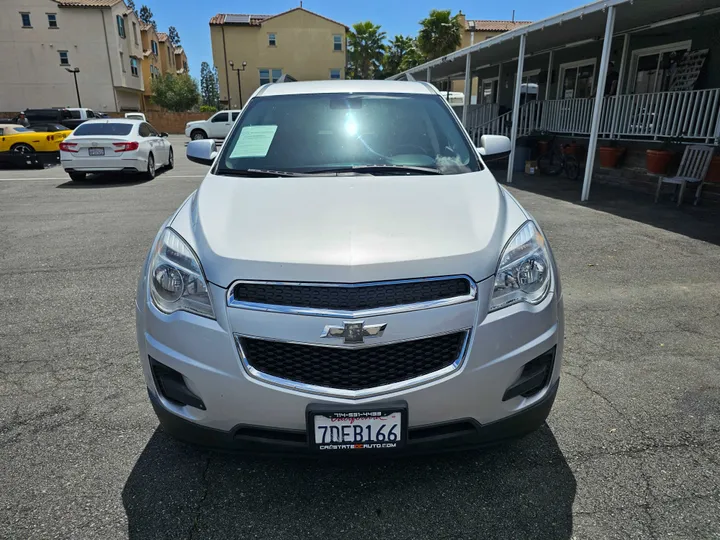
x: 610, y: 154
x: 658, y: 161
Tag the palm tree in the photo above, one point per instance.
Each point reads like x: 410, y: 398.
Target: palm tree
x: 440, y: 34
x: 395, y: 54
x: 365, y: 49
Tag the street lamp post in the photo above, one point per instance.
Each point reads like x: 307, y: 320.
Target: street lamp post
x: 75, y: 71
x: 238, y: 70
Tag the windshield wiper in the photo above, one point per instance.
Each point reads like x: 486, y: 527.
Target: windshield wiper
x: 257, y: 173
x: 389, y: 169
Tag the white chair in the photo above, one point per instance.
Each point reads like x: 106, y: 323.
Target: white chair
x: 693, y: 168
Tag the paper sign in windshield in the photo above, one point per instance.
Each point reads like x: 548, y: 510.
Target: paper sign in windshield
x: 254, y: 141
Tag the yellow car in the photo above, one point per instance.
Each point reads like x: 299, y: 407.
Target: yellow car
x: 16, y: 138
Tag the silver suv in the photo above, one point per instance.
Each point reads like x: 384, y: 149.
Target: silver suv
x: 349, y: 278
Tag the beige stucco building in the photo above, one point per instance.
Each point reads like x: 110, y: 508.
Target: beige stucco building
x: 40, y: 38
x: 477, y: 30
x: 299, y: 43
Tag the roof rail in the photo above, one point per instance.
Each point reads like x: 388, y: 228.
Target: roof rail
x: 286, y: 78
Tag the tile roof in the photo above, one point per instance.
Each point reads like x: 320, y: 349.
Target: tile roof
x: 87, y: 3
x: 257, y: 20
x: 179, y: 50
x: 162, y: 36
x: 145, y: 26
x: 481, y: 25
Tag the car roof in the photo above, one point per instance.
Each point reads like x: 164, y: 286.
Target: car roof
x: 114, y: 121
x: 343, y: 86
x: 10, y: 125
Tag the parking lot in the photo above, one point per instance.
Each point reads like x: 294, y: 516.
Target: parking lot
x: 631, y: 449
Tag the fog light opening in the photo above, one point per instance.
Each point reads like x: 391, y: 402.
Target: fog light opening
x: 171, y: 385
x: 534, y: 377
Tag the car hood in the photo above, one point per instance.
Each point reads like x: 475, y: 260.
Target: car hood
x: 196, y: 122
x: 348, y: 229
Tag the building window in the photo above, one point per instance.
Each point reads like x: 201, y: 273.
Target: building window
x: 577, y: 79
x: 52, y: 20
x: 265, y: 75
x: 337, y: 42
x: 272, y: 42
x: 25, y: 20
x: 154, y: 47
x: 122, y: 61
x: 185, y: 66
x: 651, y: 69
x: 134, y: 66
x: 64, y: 60
x: 334, y: 73
x: 135, y: 34
x: 121, y: 26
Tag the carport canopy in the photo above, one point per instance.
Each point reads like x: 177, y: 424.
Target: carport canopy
x: 585, y: 24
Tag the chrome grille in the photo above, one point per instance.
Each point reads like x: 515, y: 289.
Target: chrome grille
x: 345, y: 299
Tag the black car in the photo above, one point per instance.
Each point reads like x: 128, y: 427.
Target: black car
x: 63, y: 117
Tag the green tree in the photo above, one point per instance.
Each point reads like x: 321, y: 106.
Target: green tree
x: 395, y: 54
x: 146, y: 16
x: 413, y: 57
x: 131, y: 6
x: 209, y: 89
x: 365, y: 50
x: 177, y: 93
x: 440, y: 34
x: 173, y: 36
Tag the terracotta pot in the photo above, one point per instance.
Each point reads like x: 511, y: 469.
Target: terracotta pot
x: 543, y: 147
x: 658, y: 161
x: 610, y: 155
x: 713, y: 174
x: 571, y: 149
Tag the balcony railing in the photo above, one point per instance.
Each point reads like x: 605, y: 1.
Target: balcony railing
x: 693, y: 115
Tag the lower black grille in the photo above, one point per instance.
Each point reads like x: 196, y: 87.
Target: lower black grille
x: 353, y: 369
x: 351, y: 297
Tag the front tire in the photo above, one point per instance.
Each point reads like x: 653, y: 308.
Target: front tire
x: 150, y: 173
x: 572, y: 168
x: 22, y: 148
x: 198, y: 134
x: 77, y: 176
x: 171, y: 160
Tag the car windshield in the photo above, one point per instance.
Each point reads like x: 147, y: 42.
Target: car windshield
x: 360, y: 133
x: 103, y: 128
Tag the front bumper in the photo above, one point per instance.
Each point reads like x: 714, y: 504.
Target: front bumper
x: 240, y: 409
x: 454, y: 435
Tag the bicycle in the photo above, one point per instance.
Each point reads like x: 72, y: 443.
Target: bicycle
x: 555, y: 161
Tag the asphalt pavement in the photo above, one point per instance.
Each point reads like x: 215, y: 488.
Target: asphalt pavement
x: 631, y: 449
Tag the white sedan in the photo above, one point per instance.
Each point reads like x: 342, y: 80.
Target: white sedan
x: 115, y: 145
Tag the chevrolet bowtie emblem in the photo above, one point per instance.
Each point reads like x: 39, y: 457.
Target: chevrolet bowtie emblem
x: 354, y: 331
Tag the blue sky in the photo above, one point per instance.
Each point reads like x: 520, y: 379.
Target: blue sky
x: 191, y: 17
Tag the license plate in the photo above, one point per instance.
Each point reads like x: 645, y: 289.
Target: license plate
x: 96, y: 151
x: 375, y: 427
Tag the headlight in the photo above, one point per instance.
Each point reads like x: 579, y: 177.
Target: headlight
x: 177, y: 282
x: 523, y: 273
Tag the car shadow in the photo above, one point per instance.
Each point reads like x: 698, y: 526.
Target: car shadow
x: 108, y: 180
x: 521, y: 489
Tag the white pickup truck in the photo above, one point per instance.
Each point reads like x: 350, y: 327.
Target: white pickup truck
x: 216, y: 127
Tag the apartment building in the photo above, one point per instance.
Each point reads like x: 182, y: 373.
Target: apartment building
x: 181, y: 61
x: 40, y: 39
x: 151, y: 61
x: 167, y: 54
x: 477, y: 30
x: 298, y: 42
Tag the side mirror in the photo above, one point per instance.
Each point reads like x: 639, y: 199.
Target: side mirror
x: 494, y: 147
x: 202, y: 152
x: 164, y: 134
